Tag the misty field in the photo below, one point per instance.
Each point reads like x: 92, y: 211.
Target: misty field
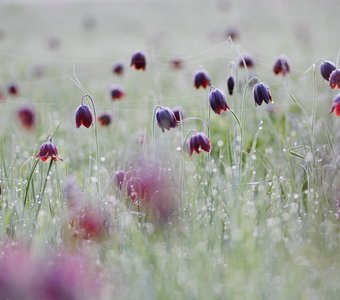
x: 169, y: 150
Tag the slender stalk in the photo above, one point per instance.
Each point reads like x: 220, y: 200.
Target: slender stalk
x: 186, y: 137
x: 153, y: 125
x: 314, y: 100
x: 237, y: 120
x: 42, y: 192
x: 28, y: 184
x: 293, y: 98
x: 198, y: 119
x: 242, y: 119
x: 96, y: 139
x: 242, y: 58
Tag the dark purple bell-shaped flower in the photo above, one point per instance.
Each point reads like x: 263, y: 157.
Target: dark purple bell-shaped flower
x: 326, y: 68
x: 230, y: 84
x: 198, y: 142
x: 261, y: 93
x: 166, y: 119
x: 201, y: 79
x: 218, y: 101
x: 83, y: 116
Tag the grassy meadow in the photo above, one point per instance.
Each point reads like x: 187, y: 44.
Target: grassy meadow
x: 256, y: 218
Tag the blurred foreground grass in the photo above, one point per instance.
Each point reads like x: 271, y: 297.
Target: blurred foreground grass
x: 268, y: 231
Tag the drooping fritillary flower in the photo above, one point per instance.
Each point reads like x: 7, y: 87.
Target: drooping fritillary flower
x: 261, y: 93
x: 104, y: 119
x: 119, y: 178
x: 176, y: 63
x: 138, y: 61
x: 218, y: 101
x: 179, y: 113
x: 336, y: 106
x: 117, y: 93
x: 201, y: 79
x: 136, y: 189
x: 281, y: 66
x: 13, y: 89
x: 248, y: 60
x: 48, y: 150
x: 334, y: 79
x: 83, y: 116
x: 230, y: 84
x: 198, y: 142
x: 88, y: 223
x: 118, y: 69
x: 166, y: 119
x: 27, y: 117
x: 152, y: 188
x: 326, y: 68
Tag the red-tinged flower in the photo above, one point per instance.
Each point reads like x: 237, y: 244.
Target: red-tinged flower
x: 48, y: 150
x: 119, y: 178
x: 88, y: 223
x: 334, y: 79
x: 166, y: 119
x: 281, y: 66
x: 198, y: 142
x: 118, y: 69
x: 261, y: 93
x: 117, y: 93
x: 136, y: 189
x: 230, y: 84
x: 201, y: 79
x: 218, y: 101
x: 179, y: 113
x: 336, y: 106
x: 104, y: 119
x: 83, y: 116
x: 138, y: 61
x: 326, y: 68
x: 154, y: 188
x: 27, y: 117
x: 13, y: 89
x: 248, y: 60
x: 176, y: 63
